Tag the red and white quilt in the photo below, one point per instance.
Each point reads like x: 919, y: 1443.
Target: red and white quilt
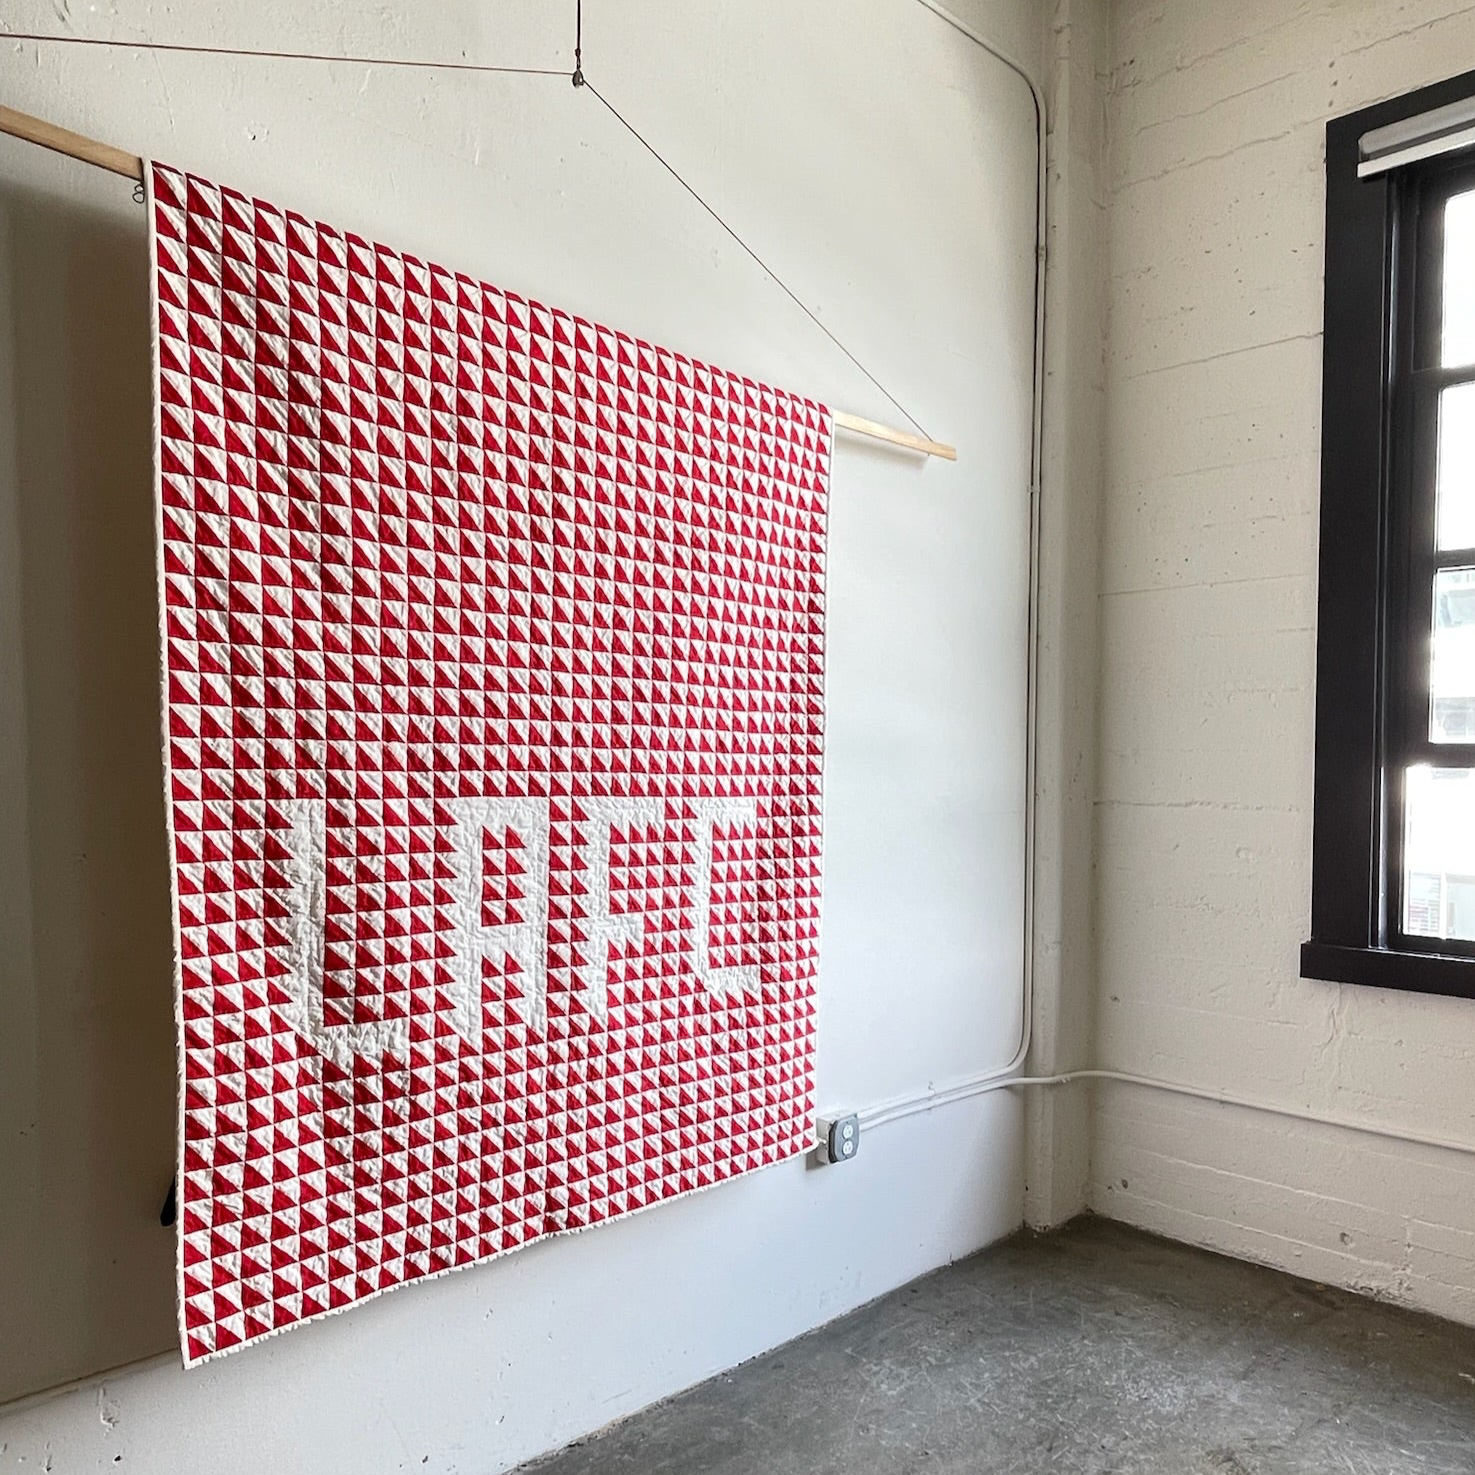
x: 493, y: 664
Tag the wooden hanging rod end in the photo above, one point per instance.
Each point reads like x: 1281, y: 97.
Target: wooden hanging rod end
x: 73, y: 145
x: 904, y: 438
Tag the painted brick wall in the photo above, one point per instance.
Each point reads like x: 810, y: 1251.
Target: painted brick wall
x: 1208, y: 613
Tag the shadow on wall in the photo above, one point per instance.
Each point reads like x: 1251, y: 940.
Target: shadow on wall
x: 87, y: 1127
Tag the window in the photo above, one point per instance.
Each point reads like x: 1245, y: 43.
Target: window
x: 1393, y: 861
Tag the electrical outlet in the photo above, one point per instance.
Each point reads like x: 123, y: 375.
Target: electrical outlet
x: 839, y: 1138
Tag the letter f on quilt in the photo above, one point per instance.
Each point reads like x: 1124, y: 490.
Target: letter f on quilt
x: 493, y: 680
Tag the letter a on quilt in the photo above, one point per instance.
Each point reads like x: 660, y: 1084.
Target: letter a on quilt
x: 493, y: 682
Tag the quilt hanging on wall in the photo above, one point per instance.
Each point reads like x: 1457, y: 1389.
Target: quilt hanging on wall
x: 493, y: 663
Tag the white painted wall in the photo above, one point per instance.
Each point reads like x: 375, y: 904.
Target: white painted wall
x: 1059, y: 1137
x: 1208, y: 612
x: 884, y: 166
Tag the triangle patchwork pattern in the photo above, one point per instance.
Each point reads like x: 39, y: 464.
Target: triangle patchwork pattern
x: 493, y: 667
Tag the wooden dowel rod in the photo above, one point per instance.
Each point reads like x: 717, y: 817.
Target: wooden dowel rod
x: 64, y: 141
x: 895, y: 437
x: 130, y: 166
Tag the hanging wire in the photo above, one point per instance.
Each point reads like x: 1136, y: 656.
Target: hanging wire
x: 767, y: 270
x: 772, y: 275
x: 366, y: 61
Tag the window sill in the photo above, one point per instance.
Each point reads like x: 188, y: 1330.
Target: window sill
x: 1420, y: 973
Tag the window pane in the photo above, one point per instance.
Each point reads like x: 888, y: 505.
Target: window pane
x: 1459, y: 280
x: 1452, y: 677
x: 1457, y: 467
x: 1439, y: 853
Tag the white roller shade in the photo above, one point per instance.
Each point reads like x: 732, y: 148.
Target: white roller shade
x: 1439, y: 131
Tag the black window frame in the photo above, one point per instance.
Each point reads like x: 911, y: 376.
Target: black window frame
x: 1375, y: 575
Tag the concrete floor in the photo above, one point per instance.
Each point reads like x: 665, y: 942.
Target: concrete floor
x: 1095, y: 1351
